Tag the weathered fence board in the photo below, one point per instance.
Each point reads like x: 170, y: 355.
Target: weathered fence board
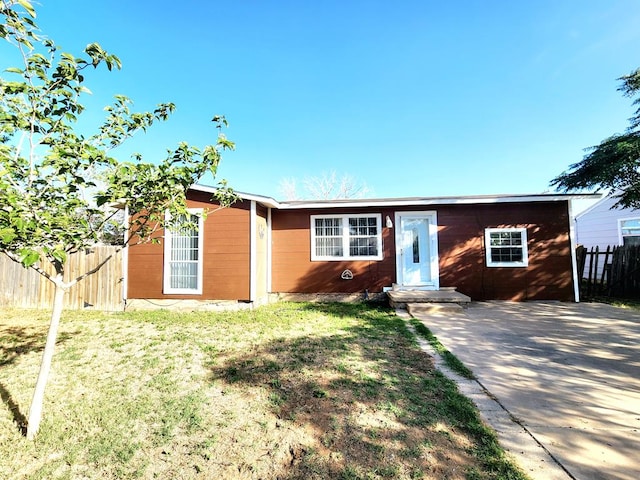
x: 21, y: 287
x: 614, y: 272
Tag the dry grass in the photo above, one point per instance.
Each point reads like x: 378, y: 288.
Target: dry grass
x: 289, y: 391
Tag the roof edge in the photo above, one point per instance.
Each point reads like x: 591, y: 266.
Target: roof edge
x: 268, y: 201
x: 406, y: 201
x: 425, y: 201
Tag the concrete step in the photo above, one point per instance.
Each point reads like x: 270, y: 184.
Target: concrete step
x: 416, y: 309
x: 401, y: 298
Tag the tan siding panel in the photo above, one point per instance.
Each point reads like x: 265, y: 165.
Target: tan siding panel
x: 225, y: 256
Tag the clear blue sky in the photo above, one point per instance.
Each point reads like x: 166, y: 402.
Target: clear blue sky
x: 415, y: 98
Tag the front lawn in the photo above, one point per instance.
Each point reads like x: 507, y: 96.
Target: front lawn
x: 287, y: 391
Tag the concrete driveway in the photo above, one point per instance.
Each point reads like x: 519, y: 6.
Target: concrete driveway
x: 568, y: 373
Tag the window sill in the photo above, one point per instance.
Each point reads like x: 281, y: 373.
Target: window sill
x: 507, y: 265
x: 345, y: 259
x: 181, y: 292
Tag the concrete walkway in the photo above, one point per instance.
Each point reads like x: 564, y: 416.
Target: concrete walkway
x: 559, y: 382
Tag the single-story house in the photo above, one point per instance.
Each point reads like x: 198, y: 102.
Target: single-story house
x: 508, y: 247
x: 603, y: 225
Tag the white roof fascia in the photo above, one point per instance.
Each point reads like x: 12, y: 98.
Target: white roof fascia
x: 406, y: 201
x: 605, y: 197
x: 268, y: 201
x: 427, y: 201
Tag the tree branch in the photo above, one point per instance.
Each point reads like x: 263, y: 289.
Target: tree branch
x: 93, y: 270
x: 37, y: 268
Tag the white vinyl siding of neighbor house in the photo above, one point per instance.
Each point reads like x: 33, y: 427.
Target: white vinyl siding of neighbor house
x: 599, y: 226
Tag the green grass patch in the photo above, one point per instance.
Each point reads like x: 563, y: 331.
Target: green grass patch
x: 290, y: 390
x: 449, y: 358
x: 631, y: 303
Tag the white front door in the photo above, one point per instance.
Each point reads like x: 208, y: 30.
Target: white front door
x: 417, y: 249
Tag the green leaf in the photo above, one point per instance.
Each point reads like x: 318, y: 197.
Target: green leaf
x: 14, y: 70
x: 26, y: 43
x: 59, y: 255
x: 102, y: 199
x: 28, y: 257
x: 19, y: 224
x: 26, y: 4
x: 7, y: 235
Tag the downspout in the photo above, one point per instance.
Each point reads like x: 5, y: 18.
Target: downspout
x: 125, y: 258
x: 253, y: 253
x: 574, y: 259
x: 268, y: 250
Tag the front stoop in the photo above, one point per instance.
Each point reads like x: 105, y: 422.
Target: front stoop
x: 435, y: 299
x: 416, y: 309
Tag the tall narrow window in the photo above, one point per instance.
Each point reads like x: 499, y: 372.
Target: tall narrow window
x: 328, y: 233
x: 506, y: 247
x: 183, y: 254
x: 416, y: 245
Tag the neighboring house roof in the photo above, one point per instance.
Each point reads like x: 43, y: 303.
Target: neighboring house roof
x: 405, y: 201
x: 600, y: 224
x: 607, y: 202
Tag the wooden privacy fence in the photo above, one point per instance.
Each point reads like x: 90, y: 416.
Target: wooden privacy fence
x: 22, y: 287
x: 611, y: 272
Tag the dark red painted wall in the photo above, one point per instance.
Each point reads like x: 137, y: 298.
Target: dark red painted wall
x: 461, y: 253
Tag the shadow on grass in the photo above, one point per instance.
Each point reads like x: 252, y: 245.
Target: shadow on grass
x: 15, y: 342
x: 374, y: 404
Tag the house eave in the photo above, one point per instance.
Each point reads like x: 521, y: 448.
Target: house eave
x: 404, y: 201
x: 266, y: 201
x: 429, y: 201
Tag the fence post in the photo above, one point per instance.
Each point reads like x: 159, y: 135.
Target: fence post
x: 605, y: 278
x: 593, y: 253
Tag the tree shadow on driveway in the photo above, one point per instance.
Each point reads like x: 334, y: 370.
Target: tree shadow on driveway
x: 568, y: 372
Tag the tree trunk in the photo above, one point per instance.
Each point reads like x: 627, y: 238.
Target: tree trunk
x: 35, y: 412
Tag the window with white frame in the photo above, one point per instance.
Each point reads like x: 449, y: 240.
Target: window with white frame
x: 506, y: 247
x: 630, y: 231
x: 183, y: 254
x: 346, y: 237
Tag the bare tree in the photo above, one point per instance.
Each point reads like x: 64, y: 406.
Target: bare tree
x: 326, y: 186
